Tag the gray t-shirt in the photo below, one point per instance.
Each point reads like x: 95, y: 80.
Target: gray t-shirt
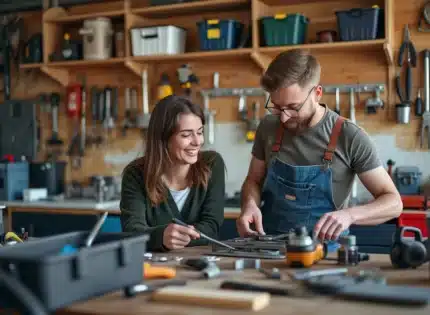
x: 355, y: 152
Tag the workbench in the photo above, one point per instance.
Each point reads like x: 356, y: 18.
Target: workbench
x: 115, y: 303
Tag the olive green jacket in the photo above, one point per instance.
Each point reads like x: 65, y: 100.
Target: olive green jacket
x: 203, y: 208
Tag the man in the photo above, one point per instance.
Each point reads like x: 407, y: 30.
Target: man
x: 305, y: 158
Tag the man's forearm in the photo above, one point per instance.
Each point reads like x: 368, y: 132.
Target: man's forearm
x: 382, y: 209
x: 250, y: 193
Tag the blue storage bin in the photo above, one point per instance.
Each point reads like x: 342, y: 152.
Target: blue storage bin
x: 14, y: 178
x: 219, y: 34
x: 408, y: 180
x: 359, y: 24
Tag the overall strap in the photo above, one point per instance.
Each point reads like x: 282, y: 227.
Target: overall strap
x: 328, y: 154
x: 278, y: 140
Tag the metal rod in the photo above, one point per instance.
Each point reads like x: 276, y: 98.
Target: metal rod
x: 210, y: 239
x: 346, y: 88
x: 426, y: 81
x: 90, y: 239
x: 220, y: 92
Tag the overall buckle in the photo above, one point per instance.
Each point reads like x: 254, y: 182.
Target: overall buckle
x: 326, y: 163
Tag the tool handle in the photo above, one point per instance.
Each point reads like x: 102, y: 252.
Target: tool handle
x: 418, y: 106
x: 399, y: 89
x: 408, y: 83
x: 426, y: 80
x: 242, y: 286
x: 114, y: 106
x: 401, y: 54
x: 156, y: 272
x: 94, y: 103
x: 55, y: 100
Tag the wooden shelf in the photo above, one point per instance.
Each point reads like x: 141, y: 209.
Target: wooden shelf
x: 86, y: 63
x: 198, y: 55
x: 30, y: 65
x: 364, y: 45
x: 80, y: 17
x: 191, y: 7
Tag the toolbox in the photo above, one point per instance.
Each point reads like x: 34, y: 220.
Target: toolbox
x: 360, y: 24
x: 158, y: 40
x: 408, y: 180
x: 283, y: 29
x: 220, y: 34
x: 58, y: 279
x: 374, y: 239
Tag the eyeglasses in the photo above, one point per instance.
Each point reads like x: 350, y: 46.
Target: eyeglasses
x: 274, y: 110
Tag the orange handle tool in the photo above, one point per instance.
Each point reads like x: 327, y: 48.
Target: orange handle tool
x: 157, y: 272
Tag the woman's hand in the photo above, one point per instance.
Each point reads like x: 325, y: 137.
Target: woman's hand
x: 177, y: 236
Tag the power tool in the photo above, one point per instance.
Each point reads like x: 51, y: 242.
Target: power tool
x: 164, y: 87
x: 186, y: 78
x: 302, y: 250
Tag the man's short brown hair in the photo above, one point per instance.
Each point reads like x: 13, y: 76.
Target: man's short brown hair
x: 290, y: 67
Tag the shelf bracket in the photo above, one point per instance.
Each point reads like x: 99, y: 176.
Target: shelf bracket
x: 389, y: 54
x: 59, y: 75
x: 262, y: 60
x: 135, y: 67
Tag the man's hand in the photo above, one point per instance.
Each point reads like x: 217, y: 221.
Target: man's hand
x: 177, y: 236
x: 332, y: 224
x: 250, y: 214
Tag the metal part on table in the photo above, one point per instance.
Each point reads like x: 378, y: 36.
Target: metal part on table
x: 247, y: 263
x: 358, y: 88
x: 426, y: 114
x: 307, y: 274
x: 144, y: 288
x: 273, y: 273
x: 262, y: 246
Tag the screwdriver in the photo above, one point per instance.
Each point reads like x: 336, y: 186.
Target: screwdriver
x: 210, y: 239
x: 419, y: 105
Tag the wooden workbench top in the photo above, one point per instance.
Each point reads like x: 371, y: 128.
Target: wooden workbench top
x: 116, y: 304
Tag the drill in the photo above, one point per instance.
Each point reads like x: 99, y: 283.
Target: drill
x: 302, y: 250
x: 186, y: 78
x: 164, y: 87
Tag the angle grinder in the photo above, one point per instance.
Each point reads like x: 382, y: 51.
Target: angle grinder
x: 302, y: 250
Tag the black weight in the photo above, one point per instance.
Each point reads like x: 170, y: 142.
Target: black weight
x: 406, y: 253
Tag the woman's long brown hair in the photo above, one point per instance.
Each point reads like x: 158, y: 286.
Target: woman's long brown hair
x: 162, y: 126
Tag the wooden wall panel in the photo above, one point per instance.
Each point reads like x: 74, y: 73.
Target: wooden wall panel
x: 338, y: 68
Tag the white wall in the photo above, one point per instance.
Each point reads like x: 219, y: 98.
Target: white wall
x: 230, y: 142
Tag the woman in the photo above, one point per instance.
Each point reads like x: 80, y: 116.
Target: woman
x: 174, y: 179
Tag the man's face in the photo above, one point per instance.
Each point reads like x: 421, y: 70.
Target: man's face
x: 295, y: 106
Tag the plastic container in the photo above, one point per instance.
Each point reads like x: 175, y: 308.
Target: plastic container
x: 359, y: 24
x: 219, y: 34
x: 408, y: 180
x: 14, y: 178
x: 58, y: 279
x: 282, y: 29
x: 158, y: 40
x: 164, y: 2
x: 97, y: 38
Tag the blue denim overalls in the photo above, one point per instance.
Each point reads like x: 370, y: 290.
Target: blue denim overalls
x: 298, y: 195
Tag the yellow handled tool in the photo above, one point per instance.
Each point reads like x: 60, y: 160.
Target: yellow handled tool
x: 158, y: 272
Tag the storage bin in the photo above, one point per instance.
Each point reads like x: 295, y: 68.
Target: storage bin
x: 408, y: 180
x: 164, y: 2
x: 219, y: 34
x: 282, y: 29
x: 58, y: 279
x: 359, y: 24
x: 14, y: 178
x: 158, y: 40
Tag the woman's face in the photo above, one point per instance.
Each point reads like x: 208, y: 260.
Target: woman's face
x: 185, y: 144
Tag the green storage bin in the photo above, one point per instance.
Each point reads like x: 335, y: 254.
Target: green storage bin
x: 282, y: 29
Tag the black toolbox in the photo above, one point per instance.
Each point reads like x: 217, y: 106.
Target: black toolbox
x: 57, y: 278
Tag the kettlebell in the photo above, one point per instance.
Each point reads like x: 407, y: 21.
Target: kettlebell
x: 406, y: 253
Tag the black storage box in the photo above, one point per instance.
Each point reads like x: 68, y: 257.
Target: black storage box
x: 58, y: 279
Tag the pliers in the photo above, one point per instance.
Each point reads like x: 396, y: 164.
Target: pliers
x: 411, y: 62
